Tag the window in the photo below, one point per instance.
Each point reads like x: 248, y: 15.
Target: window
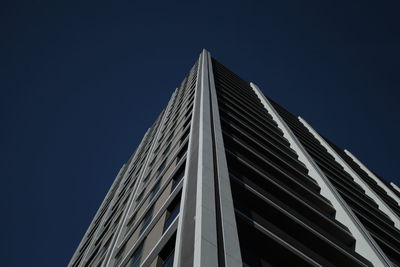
x: 126, y: 198
x: 169, y: 261
x: 105, y: 247
x: 139, y: 197
x: 116, y: 223
x: 141, y: 163
x: 152, y: 161
x: 157, y: 148
x: 154, y: 190
x: 171, y: 132
x: 187, y: 122
x: 166, y: 256
x: 178, y: 176
x: 136, y: 256
x: 132, y: 184
x: 110, y: 217
x: 184, y: 135
x: 161, y: 168
x: 78, y: 260
x: 182, y: 152
x: 172, y: 211
x: 94, y: 254
x: 188, y: 112
x: 146, y: 220
x: 161, y: 138
x: 131, y: 219
x: 166, y: 150
x: 128, y: 179
x: 146, y: 178
x: 175, y: 118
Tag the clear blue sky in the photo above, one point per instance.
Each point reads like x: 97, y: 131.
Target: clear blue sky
x: 82, y: 81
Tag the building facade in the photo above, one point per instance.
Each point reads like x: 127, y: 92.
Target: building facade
x: 227, y: 177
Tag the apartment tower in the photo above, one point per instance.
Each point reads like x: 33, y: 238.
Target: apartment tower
x: 227, y: 177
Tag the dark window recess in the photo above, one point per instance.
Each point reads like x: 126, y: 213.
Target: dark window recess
x: 166, y: 256
x: 147, y: 178
x: 141, y: 162
x: 178, y: 107
x: 125, y: 200
x: 187, y: 122
x: 172, y: 211
x: 166, y: 150
x: 146, y: 220
x: 270, y: 253
x: 182, y: 152
x: 154, y: 190
x: 123, y: 190
x: 105, y: 247
x: 171, y: 135
x: 94, y: 254
x: 178, y: 176
x: 132, y: 219
x: 161, y: 168
x: 157, y: 148
x: 139, y: 197
x: 136, y: 256
x: 132, y: 184
x: 78, y: 260
x: 184, y: 135
x: 110, y: 217
x: 118, y: 257
x: 188, y: 112
x: 165, y: 125
x: 175, y: 119
x: 116, y: 223
x: 161, y: 138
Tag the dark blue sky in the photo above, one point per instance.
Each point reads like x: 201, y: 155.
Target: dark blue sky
x: 81, y: 82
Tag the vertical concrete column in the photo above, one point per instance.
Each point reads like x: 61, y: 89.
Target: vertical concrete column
x: 205, y: 246
x: 197, y: 235
x: 373, y: 176
x: 368, y: 191
x: 207, y: 231
x: 230, y: 239
x: 365, y: 245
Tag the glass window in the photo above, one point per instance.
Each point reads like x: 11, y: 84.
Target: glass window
x: 184, y: 135
x: 178, y: 176
x: 105, y: 247
x: 146, y: 178
x: 169, y: 261
x: 146, y: 219
x: 118, y: 257
x: 136, y: 256
x: 139, y: 197
x: 172, y: 212
x: 182, y: 152
x: 161, y: 168
x: 166, y: 150
x: 166, y: 256
x: 154, y: 190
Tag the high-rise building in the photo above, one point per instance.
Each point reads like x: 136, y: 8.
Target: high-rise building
x: 227, y: 177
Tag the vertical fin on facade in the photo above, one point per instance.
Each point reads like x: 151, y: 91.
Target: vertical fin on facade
x: 365, y: 245
x: 373, y: 176
x: 368, y: 191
